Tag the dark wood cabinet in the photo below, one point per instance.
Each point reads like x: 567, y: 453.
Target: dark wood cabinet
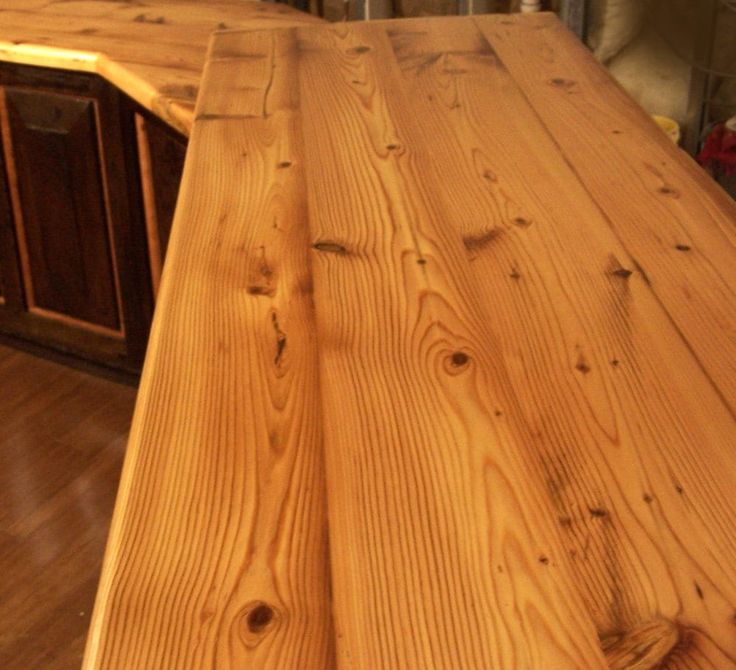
x: 11, y: 299
x: 64, y: 230
x: 87, y: 190
x: 161, y: 153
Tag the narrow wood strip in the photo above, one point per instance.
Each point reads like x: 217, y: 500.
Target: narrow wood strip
x: 149, y: 202
x: 15, y: 200
x: 111, y: 232
x: 48, y: 56
x: 78, y: 323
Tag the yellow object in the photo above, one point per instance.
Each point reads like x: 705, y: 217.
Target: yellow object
x: 670, y: 127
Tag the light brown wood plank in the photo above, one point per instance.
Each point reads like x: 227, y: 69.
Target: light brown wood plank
x: 677, y: 225
x: 597, y: 367
x: 218, y: 552
x: 439, y: 530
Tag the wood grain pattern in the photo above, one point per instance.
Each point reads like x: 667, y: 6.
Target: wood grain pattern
x: 220, y: 558
x: 675, y: 222
x: 154, y: 50
x: 610, y: 335
x: 460, y: 543
x: 528, y: 452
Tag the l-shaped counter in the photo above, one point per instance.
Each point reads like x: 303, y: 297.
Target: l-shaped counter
x: 442, y: 367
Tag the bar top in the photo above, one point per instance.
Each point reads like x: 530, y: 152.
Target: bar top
x: 442, y: 373
x: 153, y: 50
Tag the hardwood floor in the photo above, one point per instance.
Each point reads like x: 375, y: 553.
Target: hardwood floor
x: 62, y: 439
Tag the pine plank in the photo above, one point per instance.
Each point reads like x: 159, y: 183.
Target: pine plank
x: 603, y: 371
x: 436, y: 526
x: 675, y: 222
x: 218, y: 549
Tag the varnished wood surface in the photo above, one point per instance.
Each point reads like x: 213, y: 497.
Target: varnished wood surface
x: 62, y: 439
x: 153, y: 50
x: 676, y: 223
x: 439, y: 375
x: 231, y: 536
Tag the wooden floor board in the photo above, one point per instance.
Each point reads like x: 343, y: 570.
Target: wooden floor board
x: 62, y: 439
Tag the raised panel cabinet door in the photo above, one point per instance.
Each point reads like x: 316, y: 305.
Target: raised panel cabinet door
x: 52, y: 145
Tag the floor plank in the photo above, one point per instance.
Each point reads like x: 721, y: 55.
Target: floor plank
x: 62, y: 439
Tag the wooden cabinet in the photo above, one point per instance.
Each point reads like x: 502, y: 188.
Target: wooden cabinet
x: 161, y: 153
x: 10, y: 287
x: 63, y: 217
x: 86, y: 180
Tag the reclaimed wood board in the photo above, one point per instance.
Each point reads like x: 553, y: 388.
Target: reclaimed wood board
x: 431, y: 383
x: 153, y: 50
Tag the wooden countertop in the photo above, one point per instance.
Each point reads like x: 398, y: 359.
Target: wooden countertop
x: 153, y: 50
x: 442, y: 283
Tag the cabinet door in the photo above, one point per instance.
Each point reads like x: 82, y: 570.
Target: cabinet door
x: 83, y: 280
x: 88, y: 186
x: 64, y: 235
